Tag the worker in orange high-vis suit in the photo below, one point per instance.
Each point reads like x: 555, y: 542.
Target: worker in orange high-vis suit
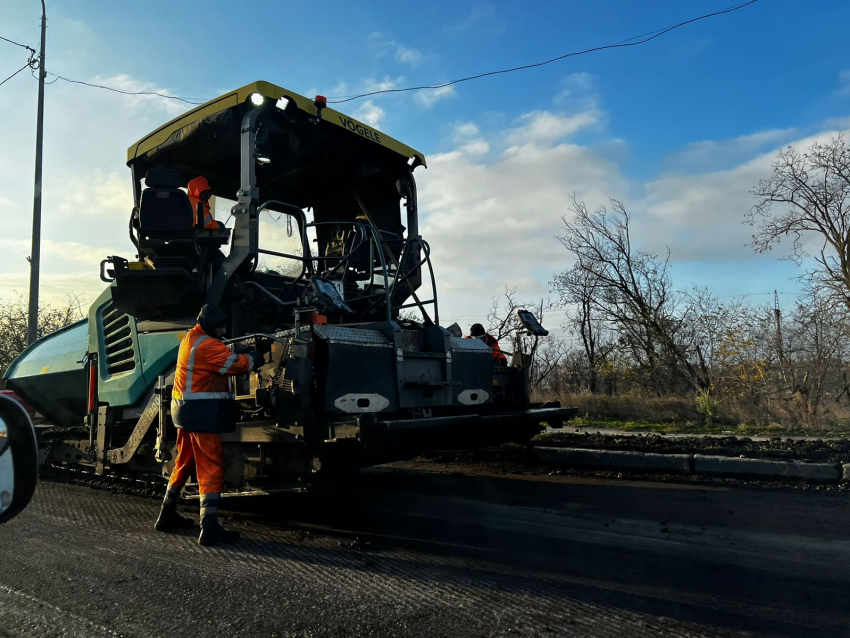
x: 200, y: 192
x: 203, y: 408
x: 476, y: 331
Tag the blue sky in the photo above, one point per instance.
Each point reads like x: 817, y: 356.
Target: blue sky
x: 679, y: 128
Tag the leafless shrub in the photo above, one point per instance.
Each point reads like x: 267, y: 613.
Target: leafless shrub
x: 14, y: 318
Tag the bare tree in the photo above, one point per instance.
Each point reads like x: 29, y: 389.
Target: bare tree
x: 544, y: 353
x: 815, y: 187
x: 578, y: 289
x: 632, y: 289
x: 14, y: 320
x: 818, y: 345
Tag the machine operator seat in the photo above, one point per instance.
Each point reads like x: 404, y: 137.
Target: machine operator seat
x: 166, y: 224
x: 176, y: 285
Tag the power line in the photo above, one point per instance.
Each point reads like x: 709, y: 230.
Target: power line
x: 35, y: 77
x: 32, y: 63
x: 617, y: 45
x: 14, y: 74
x: 753, y: 294
x: 194, y: 101
x: 18, y: 44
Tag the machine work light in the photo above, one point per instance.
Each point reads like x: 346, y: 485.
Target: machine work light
x: 257, y: 99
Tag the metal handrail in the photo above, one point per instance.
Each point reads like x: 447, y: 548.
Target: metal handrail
x: 376, y: 238
x: 426, y: 248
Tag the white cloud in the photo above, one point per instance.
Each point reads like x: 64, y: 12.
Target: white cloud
x: 371, y: 84
x: 384, y: 43
x: 87, y: 189
x: 103, y: 195
x: 406, y: 55
x: 429, y: 97
x: 478, y: 14
x: 711, y: 155
x: 66, y: 268
x: 493, y: 221
x: 544, y: 127
x: 576, y: 86
x: 700, y: 217
x: 837, y: 123
x: 844, y: 82
x: 125, y: 82
x: 366, y: 85
x: 492, y: 205
x: 370, y: 113
x: 476, y: 147
x: 54, y: 287
x: 465, y: 130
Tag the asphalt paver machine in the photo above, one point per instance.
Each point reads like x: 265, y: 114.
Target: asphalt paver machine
x: 319, y: 251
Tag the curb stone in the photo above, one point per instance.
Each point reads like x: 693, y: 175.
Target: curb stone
x: 790, y: 469
x: 615, y: 459
x: 693, y: 463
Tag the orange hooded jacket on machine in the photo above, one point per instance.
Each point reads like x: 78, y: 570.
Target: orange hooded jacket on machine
x: 477, y: 331
x: 498, y: 356
x: 196, y: 187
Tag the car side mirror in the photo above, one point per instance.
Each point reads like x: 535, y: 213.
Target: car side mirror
x: 18, y: 458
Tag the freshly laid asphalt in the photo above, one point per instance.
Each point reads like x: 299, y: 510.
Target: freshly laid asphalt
x: 414, y: 553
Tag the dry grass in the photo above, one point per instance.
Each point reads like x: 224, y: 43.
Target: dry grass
x: 680, y: 414
x: 632, y: 407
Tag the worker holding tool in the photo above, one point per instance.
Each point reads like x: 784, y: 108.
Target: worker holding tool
x: 200, y: 193
x: 476, y: 331
x: 203, y: 408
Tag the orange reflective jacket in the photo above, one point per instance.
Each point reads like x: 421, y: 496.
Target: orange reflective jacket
x: 196, y: 187
x: 203, y: 365
x: 201, y: 400
x: 499, y: 357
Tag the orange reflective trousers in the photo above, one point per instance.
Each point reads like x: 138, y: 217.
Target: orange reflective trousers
x: 201, y: 452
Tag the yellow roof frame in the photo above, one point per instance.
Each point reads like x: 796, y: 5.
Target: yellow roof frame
x: 272, y: 92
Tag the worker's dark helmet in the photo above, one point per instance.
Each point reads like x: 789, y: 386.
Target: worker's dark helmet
x: 477, y: 330
x: 211, y: 317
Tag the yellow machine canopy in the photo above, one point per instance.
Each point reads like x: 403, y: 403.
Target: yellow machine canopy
x: 305, y: 155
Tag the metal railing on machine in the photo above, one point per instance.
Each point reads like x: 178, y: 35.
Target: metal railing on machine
x: 351, y: 246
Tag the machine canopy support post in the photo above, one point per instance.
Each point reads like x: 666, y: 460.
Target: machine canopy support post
x: 407, y: 189
x: 245, y: 243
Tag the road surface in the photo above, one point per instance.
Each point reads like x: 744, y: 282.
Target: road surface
x: 409, y: 553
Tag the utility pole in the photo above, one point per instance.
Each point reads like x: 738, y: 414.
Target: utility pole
x: 777, y: 316
x: 35, y: 255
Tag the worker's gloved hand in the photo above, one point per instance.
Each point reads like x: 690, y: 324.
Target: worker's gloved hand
x: 241, y: 348
x: 258, y: 358
x: 263, y: 346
